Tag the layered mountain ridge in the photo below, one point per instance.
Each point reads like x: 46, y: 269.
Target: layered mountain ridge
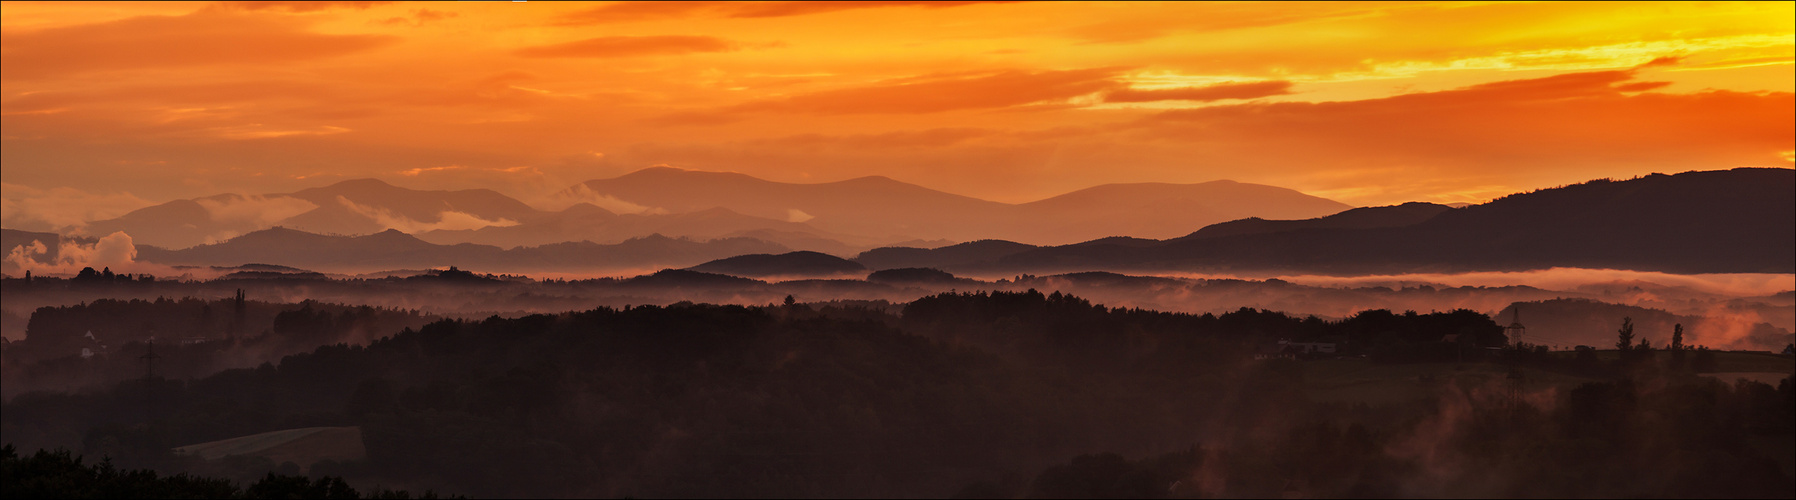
x: 840, y: 218
x: 1733, y: 221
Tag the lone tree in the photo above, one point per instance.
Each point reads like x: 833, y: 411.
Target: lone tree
x: 1677, y: 345
x: 1625, y: 337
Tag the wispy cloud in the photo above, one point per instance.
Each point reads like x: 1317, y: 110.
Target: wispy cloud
x: 62, y: 208
x: 1218, y: 92
x: 630, y: 46
x: 199, y: 39
x: 644, y: 11
x: 447, y: 219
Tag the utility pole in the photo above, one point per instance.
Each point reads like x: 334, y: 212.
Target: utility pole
x: 149, y: 379
x: 149, y: 361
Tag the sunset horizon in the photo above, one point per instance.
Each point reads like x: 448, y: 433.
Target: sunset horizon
x: 898, y: 249
x: 1367, y: 104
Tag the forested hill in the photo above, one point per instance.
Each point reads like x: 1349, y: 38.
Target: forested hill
x: 708, y: 400
x: 961, y: 392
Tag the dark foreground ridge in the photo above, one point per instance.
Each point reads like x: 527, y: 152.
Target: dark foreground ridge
x: 59, y: 474
x: 1004, y: 394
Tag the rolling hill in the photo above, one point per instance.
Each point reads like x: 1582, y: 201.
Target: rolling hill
x: 1359, y: 218
x: 786, y: 264
x: 948, y: 257
x: 1741, y: 220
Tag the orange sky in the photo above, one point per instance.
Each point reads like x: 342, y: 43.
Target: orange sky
x: 110, y: 107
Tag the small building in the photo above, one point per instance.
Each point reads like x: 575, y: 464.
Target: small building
x: 1293, y: 350
x: 1312, y: 347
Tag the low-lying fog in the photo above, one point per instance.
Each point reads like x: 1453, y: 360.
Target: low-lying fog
x: 1734, y: 305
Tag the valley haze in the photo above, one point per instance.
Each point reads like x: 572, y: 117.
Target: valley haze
x: 898, y: 249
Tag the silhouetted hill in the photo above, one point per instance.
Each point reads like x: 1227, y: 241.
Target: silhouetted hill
x: 1099, y: 279
x: 690, y: 278
x: 649, y: 251
x: 1121, y: 241
x: 179, y: 223
x: 1741, y: 220
x: 880, y: 207
x: 948, y: 257
x: 361, y: 206
x: 261, y: 267
x: 272, y: 275
x: 786, y: 264
x: 392, y: 249
x: 915, y: 276
x: 1161, y: 210
x: 1359, y: 218
x: 802, y: 240
x: 258, y: 271
x: 873, y: 206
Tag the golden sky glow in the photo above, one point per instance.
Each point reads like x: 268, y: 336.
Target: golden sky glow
x: 108, y: 107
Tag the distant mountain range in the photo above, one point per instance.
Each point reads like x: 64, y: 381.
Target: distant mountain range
x: 1359, y: 218
x: 882, y: 208
x: 392, y: 249
x: 837, y: 217
x: 354, y: 207
x: 1741, y: 220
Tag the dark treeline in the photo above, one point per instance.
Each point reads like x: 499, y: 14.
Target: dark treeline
x: 982, y: 394
x: 59, y: 474
x: 105, y: 341
x: 1066, y: 329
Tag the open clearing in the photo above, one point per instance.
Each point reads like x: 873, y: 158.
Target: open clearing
x: 301, y: 446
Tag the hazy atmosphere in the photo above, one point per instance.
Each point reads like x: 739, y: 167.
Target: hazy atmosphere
x: 898, y: 249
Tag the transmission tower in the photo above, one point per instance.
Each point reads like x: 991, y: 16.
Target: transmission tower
x: 1515, y: 331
